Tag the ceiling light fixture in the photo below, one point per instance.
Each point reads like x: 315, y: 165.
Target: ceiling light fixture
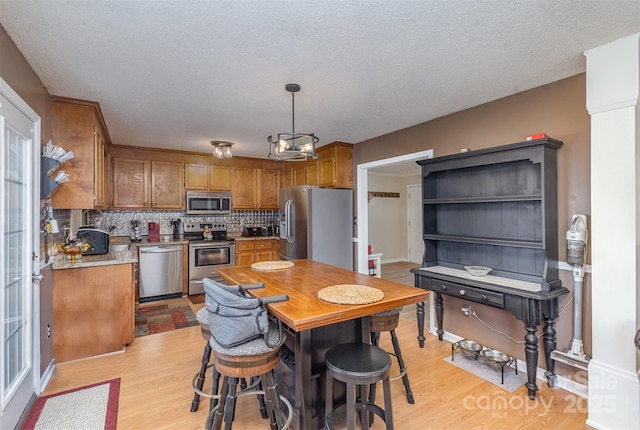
x: 221, y: 149
x: 293, y: 146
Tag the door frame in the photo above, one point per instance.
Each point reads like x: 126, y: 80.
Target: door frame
x: 33, y: 296
x: 362, y: 171
x: 413, y: 229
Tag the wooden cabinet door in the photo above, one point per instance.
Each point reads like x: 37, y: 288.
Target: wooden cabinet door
x: 268, y: 191
x: 76, y: 125
x: 196, y: 176
x: 328, y: 172
x: 245, y: 252
x: 219, y: 178
x: 287, y: 178
x: 92, y: 311
x: 101, y: 168
x: 313, y: 173
x: 244, y: 193
x: 264, y: 250
x: 167, y: 186
x: 299, y: 175
x: 131, y: 183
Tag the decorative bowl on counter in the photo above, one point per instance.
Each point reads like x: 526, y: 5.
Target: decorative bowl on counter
x: 478, y: 270
x: 73, y: 251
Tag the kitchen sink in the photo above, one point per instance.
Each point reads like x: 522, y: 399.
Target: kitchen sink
x: 119, y: 247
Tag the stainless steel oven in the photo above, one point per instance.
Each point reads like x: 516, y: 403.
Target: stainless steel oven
x: 205, y: 256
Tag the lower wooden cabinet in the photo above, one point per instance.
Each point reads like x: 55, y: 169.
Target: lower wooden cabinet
x: 254, y: 250
x: 93, y: 311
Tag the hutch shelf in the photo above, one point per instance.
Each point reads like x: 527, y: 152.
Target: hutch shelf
x: 495, y: 207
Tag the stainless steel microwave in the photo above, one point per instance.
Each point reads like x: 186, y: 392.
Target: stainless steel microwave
x: 208, y: 203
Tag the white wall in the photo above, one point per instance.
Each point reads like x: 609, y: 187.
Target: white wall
x: 388, y: 216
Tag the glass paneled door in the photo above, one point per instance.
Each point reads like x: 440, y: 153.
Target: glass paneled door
x: 19, y: 147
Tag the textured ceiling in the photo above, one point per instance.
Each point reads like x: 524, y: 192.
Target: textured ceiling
x: 178, y: 74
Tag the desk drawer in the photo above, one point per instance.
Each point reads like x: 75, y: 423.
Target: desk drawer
x: 468, y: 293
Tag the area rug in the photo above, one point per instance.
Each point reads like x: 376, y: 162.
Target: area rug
x: 92, y: 407
x: 152, y: 319
x: 479, y: 368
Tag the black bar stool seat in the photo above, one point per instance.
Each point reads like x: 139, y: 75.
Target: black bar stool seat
x: 358, y: 365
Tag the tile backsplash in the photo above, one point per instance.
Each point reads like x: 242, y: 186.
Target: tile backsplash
x: 118, y: 221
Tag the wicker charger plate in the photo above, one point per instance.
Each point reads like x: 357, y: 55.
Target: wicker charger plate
x: 272, y: 265
x: 350, y: 294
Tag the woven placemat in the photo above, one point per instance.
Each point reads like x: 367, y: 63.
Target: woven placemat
x: 350, y: 294
x: 272, y: 265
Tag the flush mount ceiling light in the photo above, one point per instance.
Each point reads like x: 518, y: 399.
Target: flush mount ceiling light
x: 292, y: 146
x: 221, y: 149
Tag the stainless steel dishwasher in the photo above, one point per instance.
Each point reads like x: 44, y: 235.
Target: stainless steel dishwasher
x: 161, y: 272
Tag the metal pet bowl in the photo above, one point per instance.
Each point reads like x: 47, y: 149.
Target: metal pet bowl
x: 478, y: 270
x: 470, y: 348
x: 495, y: 358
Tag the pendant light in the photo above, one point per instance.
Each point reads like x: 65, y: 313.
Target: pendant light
x: 292, y: 146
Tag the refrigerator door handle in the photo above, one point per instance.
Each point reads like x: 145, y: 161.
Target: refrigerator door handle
x: 290, y: 223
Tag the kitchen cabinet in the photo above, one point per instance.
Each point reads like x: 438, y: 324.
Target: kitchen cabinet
x: 299, y: 175
x: 244, y: 190
x: 167, y: 185
x: 78, y: 126
x: 93, y: 310
x: 245, y: 252
x: 335, y: 161
x: 206, y: 177
x: 268, y: 190
x: 266, y: 250
x: 144, y: 184
x: 254, y: 188
x: 252, y: 251
x: 131, y: 179
x: 313, y: 173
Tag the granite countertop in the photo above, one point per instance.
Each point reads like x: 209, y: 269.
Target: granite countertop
x: 125, y: 240
x: 110, y: 258
x: 238, y: 236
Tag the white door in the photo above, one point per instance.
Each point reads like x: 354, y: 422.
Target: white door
x: 414, y: 227
x: 19, y: 148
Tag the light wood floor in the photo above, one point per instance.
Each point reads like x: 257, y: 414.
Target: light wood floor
x: 156, y: 373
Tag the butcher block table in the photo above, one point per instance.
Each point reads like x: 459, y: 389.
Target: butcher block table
x: 313, y: 325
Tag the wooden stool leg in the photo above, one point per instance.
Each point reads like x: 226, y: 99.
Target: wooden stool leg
x: 230, y: 403
x: 328, y: 402
x: 206, y: 355
x: 215, y: 383
x: 261, y: 403
x: 273, y: 401
x: 214, y: 421
x: 403, y: 367
x: 388, y: 412
x: 351, y: 404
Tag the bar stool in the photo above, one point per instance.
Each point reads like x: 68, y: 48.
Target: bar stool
x: 358, y: 365
x: 388, y: 321
x: 197, y: 383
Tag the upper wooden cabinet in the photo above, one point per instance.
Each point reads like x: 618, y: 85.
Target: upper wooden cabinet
x: 244, y: 188
x: 131, y: 179
x: 268, y: 190
x: 167, y: 185
x: 78, y: 126
x: 335, y: 165
x: 144, y: 184
x: 332, y: 169
x: 207, y: 177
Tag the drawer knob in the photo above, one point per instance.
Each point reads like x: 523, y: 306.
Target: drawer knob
x: 484, y: 297
x: 463, y: 292
x: 444, y: 288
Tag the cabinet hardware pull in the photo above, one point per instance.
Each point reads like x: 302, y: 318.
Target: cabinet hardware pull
x: 463, y: 292
x: 444, y: 288
x: 484, y: 297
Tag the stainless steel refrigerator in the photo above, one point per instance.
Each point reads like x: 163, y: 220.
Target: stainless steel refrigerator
x: 317, y: 224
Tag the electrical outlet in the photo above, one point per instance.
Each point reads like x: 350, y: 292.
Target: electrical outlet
x: 466, y: 310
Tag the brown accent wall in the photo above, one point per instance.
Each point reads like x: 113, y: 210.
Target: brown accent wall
x: 16, y: 71
x: 558, y: 109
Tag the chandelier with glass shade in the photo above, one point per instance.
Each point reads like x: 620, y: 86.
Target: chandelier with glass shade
x: 292, y: 146
x: 221, y: 148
